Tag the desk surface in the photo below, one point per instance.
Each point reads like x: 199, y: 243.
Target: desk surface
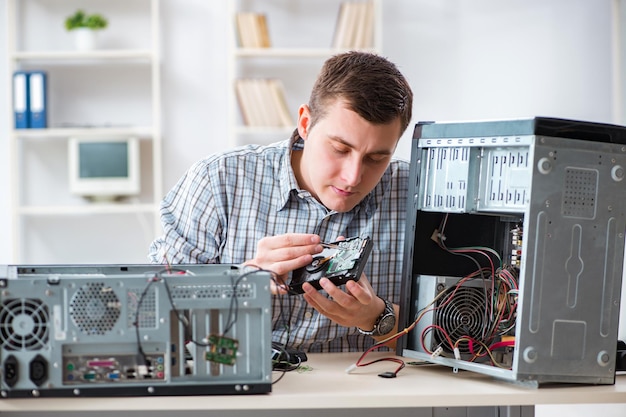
x: 327, y: 385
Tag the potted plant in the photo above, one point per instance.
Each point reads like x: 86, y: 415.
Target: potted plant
x: 85, y: 26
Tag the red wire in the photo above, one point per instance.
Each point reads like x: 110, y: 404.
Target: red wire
x: 400, y: 362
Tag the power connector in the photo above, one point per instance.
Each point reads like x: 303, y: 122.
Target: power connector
x: 436, y: 352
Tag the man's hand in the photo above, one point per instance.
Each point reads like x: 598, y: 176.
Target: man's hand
x: 284, y: 253
x: 357, y: 306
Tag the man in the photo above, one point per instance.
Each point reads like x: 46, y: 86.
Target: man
x: 272, y: 206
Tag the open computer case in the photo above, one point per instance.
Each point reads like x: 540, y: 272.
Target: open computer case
x: 514, y: 248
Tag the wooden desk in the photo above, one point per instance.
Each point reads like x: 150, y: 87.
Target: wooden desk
x: 328, y: 386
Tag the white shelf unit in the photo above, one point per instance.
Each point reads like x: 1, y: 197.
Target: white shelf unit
x: 49, y: 225
x: 301, y: 35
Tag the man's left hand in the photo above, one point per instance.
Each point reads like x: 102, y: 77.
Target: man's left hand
x: 357, y: 306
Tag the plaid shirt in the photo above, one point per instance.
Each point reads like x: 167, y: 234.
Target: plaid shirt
x: 226, y: 203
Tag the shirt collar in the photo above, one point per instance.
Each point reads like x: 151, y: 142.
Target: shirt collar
x: 287, y: 178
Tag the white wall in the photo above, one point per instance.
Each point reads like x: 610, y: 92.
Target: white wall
x: 476, y: 59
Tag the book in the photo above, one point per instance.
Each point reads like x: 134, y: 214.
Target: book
x: 243, y: 36
x: 252, y: 30
x: 355, y: 25
x: 263, y: 31
x: 354, y: 28
x: 250, y: 102
x: 364, y: 30
x: 341, y: 27
x: 245, y: 29
x: 277, y: 92
x: 262, y: 103
x: 243, y: 100
x: 370, y: 17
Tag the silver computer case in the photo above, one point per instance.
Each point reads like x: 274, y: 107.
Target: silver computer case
x: 549, y: 195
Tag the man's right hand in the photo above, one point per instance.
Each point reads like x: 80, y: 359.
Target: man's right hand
x: 284, y: 253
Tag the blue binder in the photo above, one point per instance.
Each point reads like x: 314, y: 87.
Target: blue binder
x: 20, y: 99
x: 38, y: 105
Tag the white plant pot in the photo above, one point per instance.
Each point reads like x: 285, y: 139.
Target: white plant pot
x: 85, y: 39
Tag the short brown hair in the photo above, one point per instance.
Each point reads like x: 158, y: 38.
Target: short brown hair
x: 372, y: 86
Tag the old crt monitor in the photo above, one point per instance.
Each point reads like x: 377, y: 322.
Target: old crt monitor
x: 514, y: 248
x: 104, y: 168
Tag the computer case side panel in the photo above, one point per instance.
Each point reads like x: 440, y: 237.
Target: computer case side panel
x: 570, y: 291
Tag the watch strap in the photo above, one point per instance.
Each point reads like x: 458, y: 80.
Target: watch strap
x: 376, y: 331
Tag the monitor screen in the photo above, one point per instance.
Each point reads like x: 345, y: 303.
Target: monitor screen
x: 103, y: 160
x: 104, y: 168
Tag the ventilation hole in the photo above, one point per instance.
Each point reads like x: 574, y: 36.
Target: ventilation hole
x: 461, y: 314
x: 580, y: 193
x: 24, y: 324
x: 147, y: 317
x: 95, y: 308
x: 212, y: 291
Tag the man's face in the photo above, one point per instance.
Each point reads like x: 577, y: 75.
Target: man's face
x: 344, y: 155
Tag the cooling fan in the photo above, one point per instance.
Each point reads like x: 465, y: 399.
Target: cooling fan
x: 95, y: 308
x: 24, y: 324
x: 459, y: 313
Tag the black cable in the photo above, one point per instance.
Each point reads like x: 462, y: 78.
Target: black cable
x: 142, y: 353
x: 181, y: 318
x: 232, y: 311
x: 280, y: 315
x: 480, y: 269
x: 284, y: 362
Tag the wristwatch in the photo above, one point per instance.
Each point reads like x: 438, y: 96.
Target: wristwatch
x: 385, y: 322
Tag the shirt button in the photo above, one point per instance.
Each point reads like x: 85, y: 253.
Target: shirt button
x: 308, y: 315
